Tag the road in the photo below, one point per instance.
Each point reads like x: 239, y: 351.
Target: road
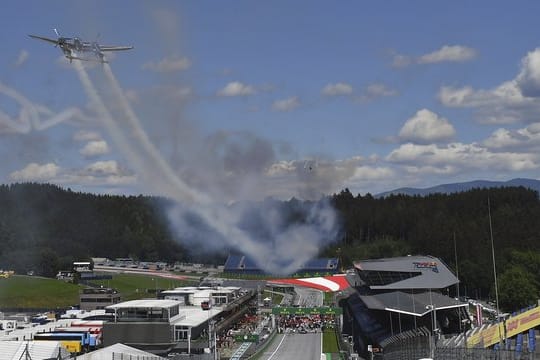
x: 308, y: 297
x: 294, y: 347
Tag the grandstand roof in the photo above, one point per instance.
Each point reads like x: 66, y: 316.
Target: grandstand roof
x: 417, y: 304
x: 408, y: 272
x: 244, y: 263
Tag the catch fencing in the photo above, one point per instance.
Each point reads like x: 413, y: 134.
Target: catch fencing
x: 414, y: 348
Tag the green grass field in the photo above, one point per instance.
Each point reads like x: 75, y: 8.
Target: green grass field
x: 133, y: 286
x: 330, y: 342
x: 21, y: 291
x: 32, y: 292
x: 276, y: 297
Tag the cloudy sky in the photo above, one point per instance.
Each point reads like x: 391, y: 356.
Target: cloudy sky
x: 247, y: 99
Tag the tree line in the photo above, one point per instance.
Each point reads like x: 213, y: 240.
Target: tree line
x: 455, y: 228
x: 44, y: 228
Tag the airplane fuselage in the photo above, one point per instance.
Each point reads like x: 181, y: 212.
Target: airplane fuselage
x: 74, y: 48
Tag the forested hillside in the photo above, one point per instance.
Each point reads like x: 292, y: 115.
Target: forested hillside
x: 452, y: 226
x: 45, y: 228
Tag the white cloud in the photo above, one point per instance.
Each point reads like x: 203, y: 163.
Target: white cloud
x: 36, y: 172
x: 453, y: 53
x: 281, y: 168
x: 447, y: 53
x: 426, y: 127
x: 236, y: 88
x: 312, y: 177
x: 109, y: 167
x: 371, y: 173
x: 101, y: 173
x: 286, y: 104
x: 528, y: 80
x: 525, y: 139
x: 95, y: 148
x: 338, y: 89
x: 168, y: 64
x: 507, y: 94
x: 457, y: 157
x: 21, y: 59
x: 510, y: 102
x: 371, y: 92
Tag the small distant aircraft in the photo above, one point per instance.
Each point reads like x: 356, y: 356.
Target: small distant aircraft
x: 75, y: 48
x: 310, y: 165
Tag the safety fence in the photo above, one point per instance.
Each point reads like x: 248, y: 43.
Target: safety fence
x: 122, y: 356
x: 413, y: 348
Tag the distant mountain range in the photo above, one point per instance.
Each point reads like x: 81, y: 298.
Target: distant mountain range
x: 464, y: 186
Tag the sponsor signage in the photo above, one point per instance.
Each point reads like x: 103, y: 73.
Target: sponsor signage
x: 513, y: 326
x: 246, y: 338
x: 289, y: 310
x: 523, y: 322
x: 432, y: 265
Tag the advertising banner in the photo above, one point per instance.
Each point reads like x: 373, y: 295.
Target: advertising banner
x: 506, y: 329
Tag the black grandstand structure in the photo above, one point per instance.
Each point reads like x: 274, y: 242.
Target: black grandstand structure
x: 399, y: 295
x: 241, y: 264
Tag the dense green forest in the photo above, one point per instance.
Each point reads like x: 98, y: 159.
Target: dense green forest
x: 450, y: 227
x: 45, y: 228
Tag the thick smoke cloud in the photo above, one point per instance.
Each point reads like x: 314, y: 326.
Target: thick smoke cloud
x: 225, y: 167
x: 260, y: 230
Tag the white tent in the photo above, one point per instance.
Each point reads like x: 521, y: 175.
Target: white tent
x: 37, y: 349
x: 114, y: 352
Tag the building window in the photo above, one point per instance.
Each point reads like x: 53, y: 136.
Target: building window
x: 181, y: 333
x: 380, y: 278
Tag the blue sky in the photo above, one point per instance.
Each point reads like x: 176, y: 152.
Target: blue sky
x: 245, y: 99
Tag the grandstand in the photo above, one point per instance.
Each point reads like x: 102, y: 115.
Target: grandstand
x: 241, y: 264
x: 402, y: 295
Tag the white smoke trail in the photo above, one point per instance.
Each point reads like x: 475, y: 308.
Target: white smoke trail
x: 177, y: 187
x: 107, y: 119
x: 276, y: 246
x: 34, y: 116
x: 27, y: 113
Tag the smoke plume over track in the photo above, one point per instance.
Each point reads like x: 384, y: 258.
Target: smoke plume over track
x: 260, y: 231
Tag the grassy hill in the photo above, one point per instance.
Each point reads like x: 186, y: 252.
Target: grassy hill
x: 21, y: 291
x: 32, y: 292
x: 133, y: 286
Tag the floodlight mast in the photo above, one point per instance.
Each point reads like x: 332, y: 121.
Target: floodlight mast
x: 494, y: 272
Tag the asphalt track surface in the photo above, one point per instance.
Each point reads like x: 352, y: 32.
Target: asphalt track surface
x: 308, y: 297
x: 294, y: 347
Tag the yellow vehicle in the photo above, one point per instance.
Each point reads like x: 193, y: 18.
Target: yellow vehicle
x: 6, y: 274
x: 73, y: 346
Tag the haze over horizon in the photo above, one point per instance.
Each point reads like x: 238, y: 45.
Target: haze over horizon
x: 245, y: 100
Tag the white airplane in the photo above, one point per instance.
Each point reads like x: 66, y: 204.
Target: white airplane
x: 75, y: 48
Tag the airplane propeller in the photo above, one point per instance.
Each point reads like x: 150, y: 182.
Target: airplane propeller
x: 61, y: 40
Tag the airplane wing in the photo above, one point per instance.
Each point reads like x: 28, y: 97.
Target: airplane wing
x: 52, y: 41
x: 114, y: 48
